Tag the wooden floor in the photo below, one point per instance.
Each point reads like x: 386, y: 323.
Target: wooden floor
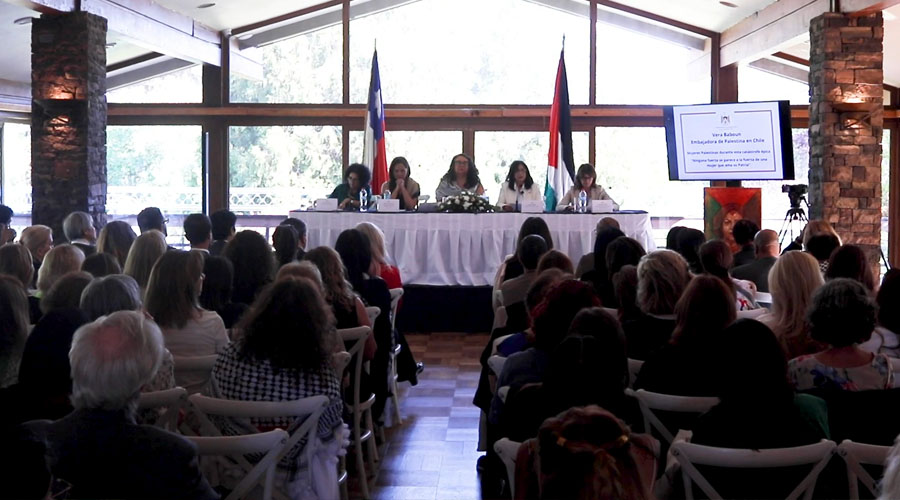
x: 432, y: 455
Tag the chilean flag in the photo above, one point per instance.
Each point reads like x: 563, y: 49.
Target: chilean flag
x: 373, y: 147
x: 560, y: 161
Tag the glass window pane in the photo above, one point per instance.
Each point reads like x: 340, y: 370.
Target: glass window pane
x: 302, y: 69
x: 274, y: 170
x: 885, y: 191
x: 437, y: 51
x: 635, y: 75
x: 494, y: 151
x: 428, y: 153
x: 182, y: 86
x: 758, y: 85
x: 16, y: 175
x: 156, y: 166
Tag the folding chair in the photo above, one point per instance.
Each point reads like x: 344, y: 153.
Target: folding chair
x: 271, y: 443
x: 507, y: 451
x: 857, y: 454
x: 396, y: 294
x: 689, y: 455
x: 634, y: 367
x: 361, y: 410
x: 307, y: 412
x: 193, y: 372
x: 650, y: 401
x: 373, y: 313
x: 499, y: 318
x: 172, y: 400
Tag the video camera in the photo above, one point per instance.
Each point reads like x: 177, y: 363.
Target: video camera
x: 796, y: 193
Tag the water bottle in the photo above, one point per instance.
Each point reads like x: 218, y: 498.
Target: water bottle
x: 386, y: 194
x: 582, y: 202
x: 363, y: 200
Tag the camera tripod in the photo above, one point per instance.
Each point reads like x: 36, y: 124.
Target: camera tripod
x: 794, y: 216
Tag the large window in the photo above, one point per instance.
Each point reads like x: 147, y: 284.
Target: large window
x: 181, y: 86
x: 469, y: 52
x: 758, y: 85
x: 16, y: 161
x: 278, y: 169
x: 775, y: 203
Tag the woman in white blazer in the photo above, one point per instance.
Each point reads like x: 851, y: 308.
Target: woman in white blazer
x: 519, y: 186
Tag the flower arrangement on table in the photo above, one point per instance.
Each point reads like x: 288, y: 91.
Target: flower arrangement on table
x: 465, y: 202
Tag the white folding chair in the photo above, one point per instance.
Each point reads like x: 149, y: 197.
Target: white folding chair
x: 339, y: 361
x: 502, y: 392
x: 895, y: 367
x: 499, y: 318
x: 373, y: 313
x: 752, y: 313
x: 396, y: 294
x: 857, y: 454
x: 271, y: 443
x: 634, y: 367
x: 650, y: 401
x: 507, y: 451
x: 306, y: 412
x: 689, y: 455
x: 171, y: 400
x: 193, y: 372
x: 361, y: 410
x: 495, y: 363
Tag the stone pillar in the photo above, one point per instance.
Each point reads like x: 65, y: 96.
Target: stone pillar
x: 68, y: 119
x: 846, y: 118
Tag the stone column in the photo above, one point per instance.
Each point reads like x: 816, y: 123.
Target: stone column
x: 846, y: 118
x: 68, y: 119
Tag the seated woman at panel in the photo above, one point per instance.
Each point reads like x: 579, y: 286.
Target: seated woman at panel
x: 518, y: 187
x: 356, y: 178
x: 842, y: 315
x: 401, y: 186
x: 885, y: 337
x: 462, y: 176
x: 793, y: 280
x: 585, y: 180
x: 279, y: 355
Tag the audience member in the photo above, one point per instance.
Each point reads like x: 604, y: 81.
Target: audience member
x: 280, y: 355
x: 23, y: 467
x: 152, y: 218
x: 254, y: 264
x: 7, y: 233
x: 380, y: 266
x: 599, y: 275
x: 743, y: 232
x: 624, y: 284
x: 841, y: 315
x: 79, y: 230
x: 198, y: 232
x: 101, y: 264
x: 681, y: 368
x: 216, y: 292
x: 300, y: 227
x: 66, y: 292
x: 885, y: 337
x: 146, y: 250
x: 765, y: 244
x: 812, y: 229
x: 98, y: 448
x: 586, y: 262
x: 284, y: 242
x: 821, y: 247
x: 622, y: 251
x: 793, y: 280
x: 687, y: 243
x: 850, y: 261
x: 115, y: 239
x: 15, y: 261
x: 511, y: 267
x: 223, y: 230
x: 716, y: 259
x: 38, y: 239
x: 586, y: 453
x: 554, y: 259
x: 302, y: 269
x: 662, y: 277
x: 672, y: 237
x: 530, y: 250
x: 13, y: 328
x: 60, y: 260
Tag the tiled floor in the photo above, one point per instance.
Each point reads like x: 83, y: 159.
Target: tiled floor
x: 432, y: 455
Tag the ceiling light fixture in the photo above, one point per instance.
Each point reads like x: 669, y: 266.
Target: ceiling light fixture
x: 206, y: 5
x: 23, y: 20
x: 728, y: 4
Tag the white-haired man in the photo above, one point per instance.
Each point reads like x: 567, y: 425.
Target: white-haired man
x: 98, y: 448
x: 79, y: 230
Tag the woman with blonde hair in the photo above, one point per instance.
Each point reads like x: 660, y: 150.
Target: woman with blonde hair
x: 380, y: 266
x: 13, y: 328
x: 38, y: 239
x: 58, y: 261
x: 662, y: 277
x: 146, y: 250
x: 116, y: 239
x: 792, y: 282
x: 15, y: 261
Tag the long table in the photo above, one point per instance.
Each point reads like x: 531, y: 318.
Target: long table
x: 466, y: 249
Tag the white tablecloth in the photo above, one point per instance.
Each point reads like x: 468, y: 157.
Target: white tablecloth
x: 465, y: 249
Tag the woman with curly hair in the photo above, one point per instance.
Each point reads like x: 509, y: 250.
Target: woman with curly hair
x: 254, y: 264
x: 462, y: 176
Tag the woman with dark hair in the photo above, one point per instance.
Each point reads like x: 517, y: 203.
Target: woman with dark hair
x: 401, y: 185
x: 519, y: 187
x: 66, y: 292
x: 587, y: 453
x: 216, y: 293
x: 672, y: 237
x: 599, y: 276
x: 356, y: 178
x: 116, y: 239
x: 254, y: 264
x: 511, y: 267
x: 462, y: 176
x: 841, y: 315
x: 885, y: 337
x: 704, y: 310
x: 688, y: 243
x: 585, y: 180
x: 716, y: 259
x: 849, y: 261
x: 285, y: 240
x: 279, y: 355
x: 101, y: 264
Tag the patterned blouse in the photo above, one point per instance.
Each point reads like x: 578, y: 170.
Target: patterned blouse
x: 807, y: 372
x: 258, y: 380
